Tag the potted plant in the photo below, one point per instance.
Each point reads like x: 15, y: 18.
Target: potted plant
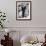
x: 2, y: 19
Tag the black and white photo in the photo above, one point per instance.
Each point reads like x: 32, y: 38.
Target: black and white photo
x: 23, y: 10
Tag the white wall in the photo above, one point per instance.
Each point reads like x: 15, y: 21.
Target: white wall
x: 38, y: 14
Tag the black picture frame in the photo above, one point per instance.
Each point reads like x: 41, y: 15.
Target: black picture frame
x: 29, y: 15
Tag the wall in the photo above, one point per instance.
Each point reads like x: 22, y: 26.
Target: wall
x: 38, y: 14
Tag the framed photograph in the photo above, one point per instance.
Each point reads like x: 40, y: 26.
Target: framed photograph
x: 23, y: 10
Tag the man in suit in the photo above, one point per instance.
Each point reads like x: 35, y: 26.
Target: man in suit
x: 23, y: 10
